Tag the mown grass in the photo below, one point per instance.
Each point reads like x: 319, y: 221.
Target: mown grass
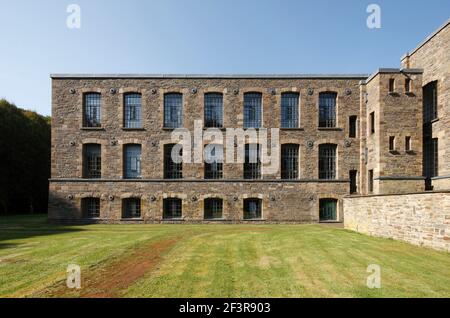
x: 221, y: 260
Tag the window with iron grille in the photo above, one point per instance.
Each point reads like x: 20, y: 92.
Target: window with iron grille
x: 90, y: 208
x: 131, y: 208
x: 430, y: 102
x: 213, y: 110
x: 252, y: 110
x: 172, y: 168
x: 252, y: 209
x: 328, y: 209
x: 327, y: 109
x: 213, y: 161
x: 353, y: 181
x: 92, y: 110
x: 252, y: 164
x: 172, y: 208
x: 327, y: 161
x: 92, y: 161
x: 370, y: 180
x: 289, y: 161
x: 352, y: 126
x: 213, y: 208
x: 289, y: 110
x: 132, y: 161
x: 132, y: 109
x: 173, y: 110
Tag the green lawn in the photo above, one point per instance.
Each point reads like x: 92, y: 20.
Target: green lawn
x: 211, y: 261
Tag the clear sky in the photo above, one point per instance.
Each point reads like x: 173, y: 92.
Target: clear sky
x: 202, y: 36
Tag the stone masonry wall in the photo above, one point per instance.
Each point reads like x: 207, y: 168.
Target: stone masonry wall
x: 421, y: 219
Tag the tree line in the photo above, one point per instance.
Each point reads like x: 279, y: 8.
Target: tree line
x: 24, y: 160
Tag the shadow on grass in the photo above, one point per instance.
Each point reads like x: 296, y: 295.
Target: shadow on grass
x: 25, y: 226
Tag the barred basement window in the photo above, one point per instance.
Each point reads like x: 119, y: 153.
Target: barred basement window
x: 131, y: 208
x: 172, y: 208
x: 353, y: 174
x: 132, y: 110
x: 327, y: 161
x: 132, y: 161
x: 352, y: 126
x: 328, y: 210
x: 213, y: 208
x: 252, y: 110
x: 90, y: 208
x: 327, y: 109
x: 289, y: 161
x: 173, y: 110
x: 92, y: 110
x: 370, y: 181
x: 252, y: 164
x: 289, y: 110
x: 92, y: 161
x: 213, y: 161
x: 172, y: 169
x: 213, y: 110
x: 252, y: 209
x: 430, y: 99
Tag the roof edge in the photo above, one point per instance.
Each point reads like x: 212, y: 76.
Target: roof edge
x: 392, y: 71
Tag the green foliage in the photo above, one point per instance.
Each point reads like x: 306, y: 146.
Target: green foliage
x: 24, y: 160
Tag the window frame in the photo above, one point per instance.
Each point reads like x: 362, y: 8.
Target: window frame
x: 92, y: 113
x: 210, y: 206
x: 172, y: 170
x: 327, y: 110
x: 287, y: 173
x: 128, y: 123
x: 179, y: 207
x: 208, y: 109
x: 295, y: 121
x: 334, y: 209
x: 327, y: 163
x: 252, y: 170
x: 89, y: 203
x: 251, y: 97
x: 89, y: 155
x: 126, y: 205
x: 130, y: 173
x: 169, y: 110
x: 258, y: 212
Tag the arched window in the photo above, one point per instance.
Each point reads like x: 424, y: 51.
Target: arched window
x: 173, y: 110
x: 92, y: 110
x: 132, y: 110
x: 327, y: 161
x: 132, y: 161
x: 327, y: 109
x: 289, y: 161
x: 289, y: 110
x: 92, y: 161
x: 213, y: 109
x: 213, y: 208
x: 252, y: 110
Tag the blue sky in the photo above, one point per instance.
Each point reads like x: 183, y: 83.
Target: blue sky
x: 202, y: 36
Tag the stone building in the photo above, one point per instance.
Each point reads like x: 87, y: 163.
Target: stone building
x: 339, y: 135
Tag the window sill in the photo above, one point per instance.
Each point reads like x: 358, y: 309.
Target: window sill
x: 330, y: 128
x: 292, y: 128
x: 131, y: 129
x: 132, y: 219
x: 253, y: 219
x: 394, y: 94
x: 330, y: 221
x: 92, y: 128
x: 220, y: 128
x: 218, y: 219
x: 434, y: 120
x: 394, y: 152
x: 173, y: 219
x: 172, y: 128
x: 410, y: 152
x: 410, y: 94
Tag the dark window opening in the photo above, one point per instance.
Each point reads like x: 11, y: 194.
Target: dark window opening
x: 213, y: 161
x: 131, y: 208
x: 91, y: 110
x: 173, y: 169
x: 289, y: 161
x: 327, y: 161
x: 328, y: 210
x: 391, y: 85
x: 252, y: 164
x: 327, y: 109
x: 90, y: 208
x: 353, y: 174
x: 391, y: 143
x: 132, y: 161
x: 213, y: 208
x: 370, y: 181
x: 132, y: 110
x: 252, y: 110
x: 173, y: 110
x: 407, y: 85
x: 352, y: 126
x: 408, y: 146
x: 252, y: 209
x: 430, y: 102
x: 289, y: 110
x: 372, y: 122
x: 92, y: 161
x: 213, y: 109
x: 172, y: 208
x: 430, y: 160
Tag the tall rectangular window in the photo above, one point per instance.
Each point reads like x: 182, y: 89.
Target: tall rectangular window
x: 391, y: 85
x: 289, y: 161
x: 352, y: 126
x: 92, y: 110
x: 172, y: 208
x: 132, y: 110
x: 173, y: 110
x: 430, y: 99
x: 327, y: 161
x: 370, y: 181
x: 289, y: 110
x: 213, y: 208
x: 213, y: 161
x: 328, y: 210
x: 353, y: 174
x: 391, y: 143
x: 252, y: 110
x: 252, y: 164
x: 213, y: 110
x: 90, y: 208
x: 92, y: 161
x: 327, y: 109
x: 132, y: 161
x: 252, y: 209
x: 408, y: 146
x: 372, y: 122
x: 131, y: 208
x: 430, y: 157
x: 407, y: 85
x: 173, y: 167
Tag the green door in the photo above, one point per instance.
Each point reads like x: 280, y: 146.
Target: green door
x: 328, y: 208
